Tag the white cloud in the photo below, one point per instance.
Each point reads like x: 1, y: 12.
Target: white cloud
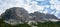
x: 10, y: 3
x: 30, y: 5
x: 55, y: 4
x: 27, y: 7
x: 45, y: 11
x: 57, y: 7
x: 20, y: 3
x: 33, y: 7
x: 56, y: 14
x: 37, y: 7
x: 52, y: 12
x: 46, y: 6
x: 40, y: 0
x: 52, y: 7
x: 53, y: 1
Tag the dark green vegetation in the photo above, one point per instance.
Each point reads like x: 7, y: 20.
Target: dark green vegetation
x: 3, y: 24
x: 49, y: 24
x: 46, y: 24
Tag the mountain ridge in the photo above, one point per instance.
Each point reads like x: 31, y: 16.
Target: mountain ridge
x: 18, y: 15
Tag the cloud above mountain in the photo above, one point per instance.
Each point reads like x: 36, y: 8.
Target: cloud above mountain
x: 43, y: 6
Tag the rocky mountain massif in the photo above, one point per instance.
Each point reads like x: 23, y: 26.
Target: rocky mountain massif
x: 18, y: 15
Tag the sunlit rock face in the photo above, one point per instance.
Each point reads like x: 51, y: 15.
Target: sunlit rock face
x: 53, y: 20
x: 16, y: 13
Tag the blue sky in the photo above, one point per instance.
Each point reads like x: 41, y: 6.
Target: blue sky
x: 43, y: 6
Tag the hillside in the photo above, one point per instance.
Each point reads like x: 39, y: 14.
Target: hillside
x: 46, y: 24
x: 19, y: 17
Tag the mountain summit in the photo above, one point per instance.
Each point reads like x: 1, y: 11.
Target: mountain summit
x: 16, y: 14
